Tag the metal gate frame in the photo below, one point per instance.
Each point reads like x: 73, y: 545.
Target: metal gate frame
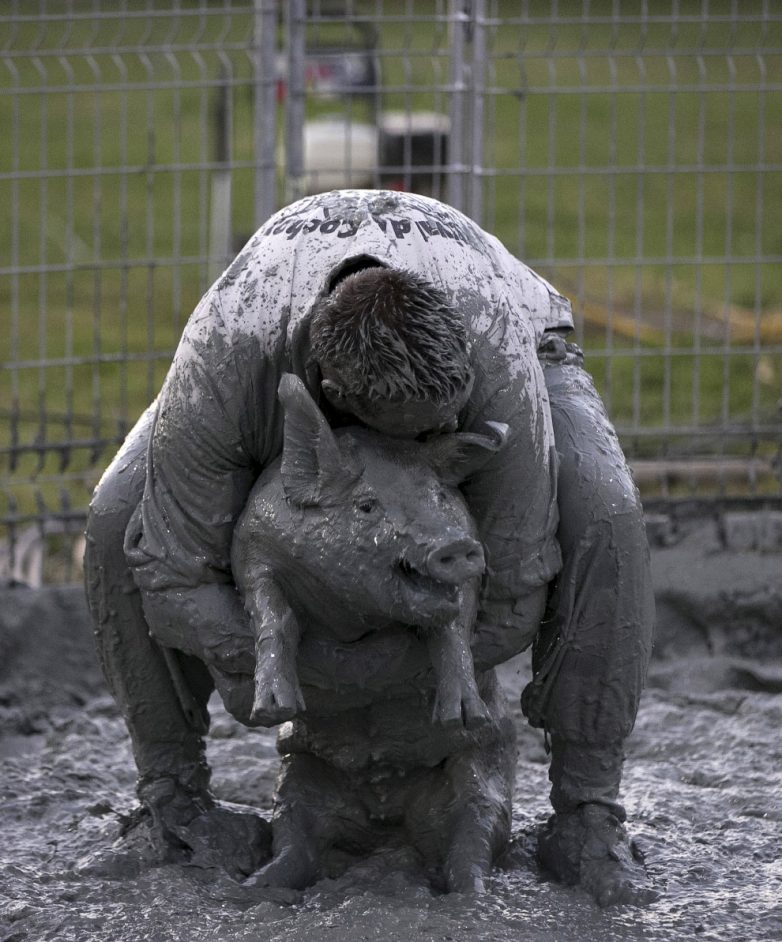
x: 171, y: 114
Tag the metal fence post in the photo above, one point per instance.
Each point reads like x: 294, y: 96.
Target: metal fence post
x: 458, y: 22
x: 625, y: 153
x: 295, y: 39
x: 265, y: 108
x: 467, y: 21
x: 476, y: 101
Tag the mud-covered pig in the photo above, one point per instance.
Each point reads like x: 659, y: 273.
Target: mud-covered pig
x: 351, y: 532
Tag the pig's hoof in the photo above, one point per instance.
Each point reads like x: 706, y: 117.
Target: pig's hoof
x: 271, y: 715
x: 590, y: 847
x: 470, y: 883
x: 465, y: 714
x: 292, y: 868
x: 476, y: 716
x: 275, y: 706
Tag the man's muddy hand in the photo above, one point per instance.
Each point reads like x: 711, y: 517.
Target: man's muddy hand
x: 232, y: 655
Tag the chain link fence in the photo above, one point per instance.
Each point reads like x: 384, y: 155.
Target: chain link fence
x: 629, y: 151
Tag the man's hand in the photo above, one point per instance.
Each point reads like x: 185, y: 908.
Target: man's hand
x: 207, y: 621
x: 230, y: 656
x: 237, y: 691
x: 505, y: 628
x: 378, y: 662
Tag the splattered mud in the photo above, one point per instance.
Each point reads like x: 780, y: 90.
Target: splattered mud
x: 703, y: 787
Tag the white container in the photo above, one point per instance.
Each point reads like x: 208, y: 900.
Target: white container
x: 339, y: 154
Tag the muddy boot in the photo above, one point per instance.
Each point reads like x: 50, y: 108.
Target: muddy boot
x: 590, y: 847
x: 193, y: 827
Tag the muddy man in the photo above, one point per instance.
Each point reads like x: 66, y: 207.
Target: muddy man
x: 398, y: 313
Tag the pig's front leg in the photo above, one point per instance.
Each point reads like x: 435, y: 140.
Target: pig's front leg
x: 457, y: 701
x: 278, y: 695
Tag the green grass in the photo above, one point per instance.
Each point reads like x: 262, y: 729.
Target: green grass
x: 64, y: 206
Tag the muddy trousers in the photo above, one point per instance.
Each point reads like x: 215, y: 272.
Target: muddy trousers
x: 592, y: 652
x: 167, y: 738
x: 590, y: 657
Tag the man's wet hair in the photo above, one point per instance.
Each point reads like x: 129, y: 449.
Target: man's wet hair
x: 392, y: 335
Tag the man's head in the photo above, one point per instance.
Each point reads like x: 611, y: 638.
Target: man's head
x: 392, y: 350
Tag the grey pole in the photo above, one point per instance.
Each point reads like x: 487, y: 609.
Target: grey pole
x: 265, y: 108
x: 477, y: 97
x: 295, y: 30
x: 458, y: 18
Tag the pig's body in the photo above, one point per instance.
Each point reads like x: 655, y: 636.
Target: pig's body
x: 353, y: 779
x: 352, y: 533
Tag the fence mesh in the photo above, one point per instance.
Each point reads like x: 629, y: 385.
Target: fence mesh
x: 629, y: 151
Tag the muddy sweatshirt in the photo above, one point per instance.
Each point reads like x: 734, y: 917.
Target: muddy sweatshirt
x: 218, y: 421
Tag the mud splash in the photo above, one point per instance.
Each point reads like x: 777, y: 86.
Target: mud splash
x: 703, y: 786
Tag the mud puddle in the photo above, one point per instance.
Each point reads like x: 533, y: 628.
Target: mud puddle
x: 703, y: 787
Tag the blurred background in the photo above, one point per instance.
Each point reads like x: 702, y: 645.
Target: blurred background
x: 630, y: 151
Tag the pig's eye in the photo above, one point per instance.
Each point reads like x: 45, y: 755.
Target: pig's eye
x: 366, y: 504
x: 442, y: 497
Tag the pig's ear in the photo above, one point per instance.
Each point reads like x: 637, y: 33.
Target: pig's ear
x: 312, y: 464
x: 457, y: 457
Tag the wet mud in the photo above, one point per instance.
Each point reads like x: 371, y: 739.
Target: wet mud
x: 703, y: 788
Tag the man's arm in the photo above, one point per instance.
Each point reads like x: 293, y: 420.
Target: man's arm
x: 505, y: 629
x: 513, y: 497
x: 200, y: 466
x: 207, y: 621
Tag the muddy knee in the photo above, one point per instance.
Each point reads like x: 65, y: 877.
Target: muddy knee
x: 113, y: 502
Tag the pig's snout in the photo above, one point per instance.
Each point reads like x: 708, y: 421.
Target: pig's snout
x: 456, y: 561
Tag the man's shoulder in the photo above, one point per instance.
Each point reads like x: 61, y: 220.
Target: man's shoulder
x: 528, y: 296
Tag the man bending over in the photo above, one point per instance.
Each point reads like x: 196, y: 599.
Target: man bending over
x: 400, y: 313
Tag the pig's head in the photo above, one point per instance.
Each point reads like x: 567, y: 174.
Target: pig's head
x: 380, y: 525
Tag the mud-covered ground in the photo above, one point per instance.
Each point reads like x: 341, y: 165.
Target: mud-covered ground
x: 703, y: 787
